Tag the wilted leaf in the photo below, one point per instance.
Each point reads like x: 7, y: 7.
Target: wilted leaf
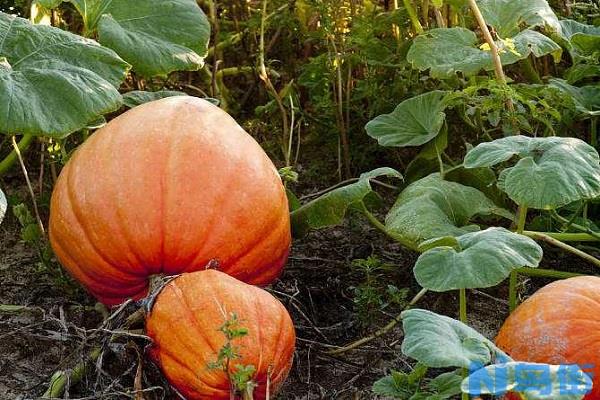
x: 481, y: 259
x: 330, y: 209
x: 53, y: 82
x: 551, y: 172
x: 414, y: 121
x: 432, y: 207
x: 534, y: 381
x: 446, y: 51
x: 442, y: 342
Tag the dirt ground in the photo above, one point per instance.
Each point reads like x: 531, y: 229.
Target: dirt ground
x: 58, y: 328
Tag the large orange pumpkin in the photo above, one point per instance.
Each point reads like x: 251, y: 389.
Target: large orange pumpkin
x: 559, y: 324
x: 163, y: 189
x: 184, y: 325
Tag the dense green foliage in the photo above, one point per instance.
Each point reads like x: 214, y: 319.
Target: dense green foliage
x: 491, y: 137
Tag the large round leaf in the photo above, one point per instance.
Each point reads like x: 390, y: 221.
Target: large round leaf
x: 479, y: 260
x: 3, y: 206
x: 442, y: 342
x: 509, y: 16
x: 53, y: 82
x: 582, y: 40
x: 414, y: 121
x: 446, y: 51
x: 551, y: 172
x: 432, y: 207
x: 155, y: 36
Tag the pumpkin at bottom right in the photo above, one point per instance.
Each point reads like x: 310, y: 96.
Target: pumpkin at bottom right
x: 559, y: 324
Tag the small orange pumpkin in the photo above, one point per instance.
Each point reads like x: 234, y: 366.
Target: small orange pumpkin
x: 163, y: 189
x: 559, y: 324
x: 184, y: 325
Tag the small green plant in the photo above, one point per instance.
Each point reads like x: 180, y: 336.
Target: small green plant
x: 32, y: 235
x: 372, y: 295
x: 240, y: 376
x: 415, y: 386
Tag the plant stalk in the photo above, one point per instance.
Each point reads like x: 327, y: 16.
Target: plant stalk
x: 564, y: 237
x: 594, y: 132
x: 11, y: 158
x: 414, y: 18
x: 548, y: 239
x: 264, y: 76
x: 547, y: 273
x: 377, y: 224
x: 462, y: 295
x: 59, y: 380
x: 514, y: 275
x: 29, y: 186
x: 498, y: 70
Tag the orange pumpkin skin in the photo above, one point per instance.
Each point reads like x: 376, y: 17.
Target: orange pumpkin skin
x: 559, y: 324
x: 163, y: 189
x: 184, y: 326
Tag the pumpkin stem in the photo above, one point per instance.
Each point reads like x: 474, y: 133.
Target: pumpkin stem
x: 248, y: 393
x: 213, y: 264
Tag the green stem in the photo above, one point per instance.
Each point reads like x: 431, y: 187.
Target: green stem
x: 377, y: 224
x: 440, y: 162
x: 514, y: 275
x: 529, y: 71
x: 594, y: 132
x: 412, y: 14
x: 547, y: 273
x: 462, y: 295
x: 512, y: 290
x: 10, y: 159
x: 463, y: 305
x: 59, y: 380
x: 548, y: 239
x: 570, y: 223
x: 564, y: 237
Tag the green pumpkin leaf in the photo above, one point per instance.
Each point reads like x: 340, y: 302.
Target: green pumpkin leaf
x: 53, y: 82
x: 446, y: 385
x: 137, y: 97
x: 552, y: 381
x: 331, y: 208
x: 550, y: 173
x: 414, y: 121
x: 509, y: 16
x: 395, y: 385
x: 432, y: 207
x: 49, y: 4
x: 442, y: 342
x: 446, y: 51
x: 3, y: 205
x: 586, y: 98
x: 155, y: 36
x: 481, y: 259
x: 580, y: 39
